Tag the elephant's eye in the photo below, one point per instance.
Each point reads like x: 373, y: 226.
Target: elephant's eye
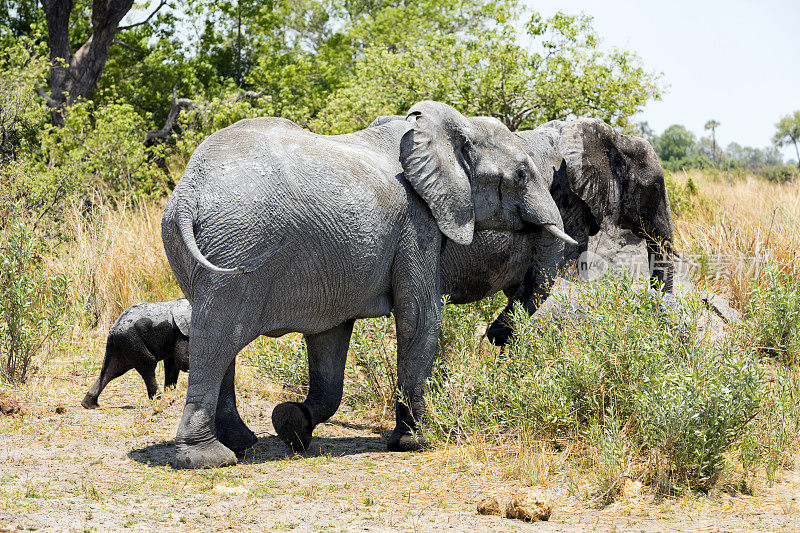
x: 521, y: 175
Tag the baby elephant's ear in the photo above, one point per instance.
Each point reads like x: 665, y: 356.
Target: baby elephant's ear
x: 182, y: 315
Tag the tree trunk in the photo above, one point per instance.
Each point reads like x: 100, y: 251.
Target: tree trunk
x: 75, y: 76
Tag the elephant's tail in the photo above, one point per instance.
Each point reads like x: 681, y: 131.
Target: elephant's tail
x: 186, y: 226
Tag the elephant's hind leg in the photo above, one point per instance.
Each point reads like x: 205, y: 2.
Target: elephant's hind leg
x: 217, y: 336
x: 327, y: 353
x: 231, y: 429
x: 171, y: 372
x: 113, y: 367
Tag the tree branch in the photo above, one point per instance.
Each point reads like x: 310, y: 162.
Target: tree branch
x: 145, y: 21
x: 177, y: 105
x: 46, y: 97
x: 180, y: 103
x: 128, y: 46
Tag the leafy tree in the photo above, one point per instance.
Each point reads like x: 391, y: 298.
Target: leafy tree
x: 485, y: 72
x: 675, y: 143
x: 74, y: 76
x: 643, y: 130
x: 788, y: 131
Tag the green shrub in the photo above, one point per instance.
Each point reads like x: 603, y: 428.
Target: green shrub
x: 282, y: 361
x: 33, y: 303
x: 779, y: 173
x: 684, y: 199
x: 773, y: 316
x: 103, y: 147
x: 683, y: 401
x: 372, y: 366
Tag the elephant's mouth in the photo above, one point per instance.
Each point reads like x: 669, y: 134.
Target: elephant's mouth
x: 557, y: 232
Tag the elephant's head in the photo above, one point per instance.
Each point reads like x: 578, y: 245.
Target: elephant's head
x: 475, y: 174
x: 605, y: 176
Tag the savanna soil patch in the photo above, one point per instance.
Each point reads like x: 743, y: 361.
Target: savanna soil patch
x: 108, y: 469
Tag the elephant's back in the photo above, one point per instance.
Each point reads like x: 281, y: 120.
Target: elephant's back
x: 326, y: 213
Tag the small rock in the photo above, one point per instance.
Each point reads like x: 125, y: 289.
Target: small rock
x: 9, y: 406
x: 631, y: 488
x: 526, y: 507
x: 489, y: 506
x: 228, y: 490
x: 60, y: 409
x: 720, y: 306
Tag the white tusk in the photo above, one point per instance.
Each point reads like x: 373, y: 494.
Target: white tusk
x: 558, y: 232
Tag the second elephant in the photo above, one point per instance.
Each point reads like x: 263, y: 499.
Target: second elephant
x: 598, y: 177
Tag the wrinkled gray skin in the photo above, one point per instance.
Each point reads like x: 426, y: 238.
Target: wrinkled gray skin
x: 595, y: 175
x: 143, y: 335
x: 275, y: 229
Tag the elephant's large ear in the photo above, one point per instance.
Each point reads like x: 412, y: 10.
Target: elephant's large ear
x: 182, y: 315
x: 590, y: 148
x: 434, y: 164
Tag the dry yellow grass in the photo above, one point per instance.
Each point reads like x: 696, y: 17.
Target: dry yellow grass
x: 739, y: 225
x: 116, y: 258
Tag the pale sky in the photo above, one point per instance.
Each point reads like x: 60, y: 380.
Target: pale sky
x: 735, y: 61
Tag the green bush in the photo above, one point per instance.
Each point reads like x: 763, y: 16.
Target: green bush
x: 102, y: 146
x: 372, y: 366
x: 773, y: 316
x: 33, y: 303
x: 779, y: 173
x: 684, y: 199
x: 683, y: 401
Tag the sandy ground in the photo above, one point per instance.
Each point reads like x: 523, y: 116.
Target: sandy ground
x: 109, y: 469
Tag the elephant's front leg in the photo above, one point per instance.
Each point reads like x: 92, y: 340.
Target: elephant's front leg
x: 418, y: 316
x: 502, y: 328
x: 231, y: 429
x: 327, y: 353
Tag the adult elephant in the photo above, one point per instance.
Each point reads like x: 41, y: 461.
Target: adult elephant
x: 274, y: 229
x: 598, y: 177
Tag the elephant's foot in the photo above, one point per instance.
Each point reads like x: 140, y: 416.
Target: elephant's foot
x: 292, y: 422
x: 499, y: 335
x: 209, y: 454
x: 234, y: 433
x: 405, y: 441
x: 89, y: 401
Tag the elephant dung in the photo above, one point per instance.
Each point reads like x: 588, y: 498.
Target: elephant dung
x: 528, y: 508
x: 9, y: 406
x: 489, y: 506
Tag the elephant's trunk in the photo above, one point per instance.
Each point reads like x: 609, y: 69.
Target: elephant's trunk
x: 662, y: 268
x: 540, y: 211
x: 660, y: 239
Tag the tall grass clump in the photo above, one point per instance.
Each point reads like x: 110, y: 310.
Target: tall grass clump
x: 626, y: 368
x: 741, y: 225
x: 116, y: 255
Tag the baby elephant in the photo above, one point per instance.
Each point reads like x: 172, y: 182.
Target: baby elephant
x: 143, y: 335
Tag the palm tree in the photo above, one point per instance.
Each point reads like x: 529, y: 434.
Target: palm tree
x: 713, y: 125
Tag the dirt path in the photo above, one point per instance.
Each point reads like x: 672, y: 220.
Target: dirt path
x: 108, y: 469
